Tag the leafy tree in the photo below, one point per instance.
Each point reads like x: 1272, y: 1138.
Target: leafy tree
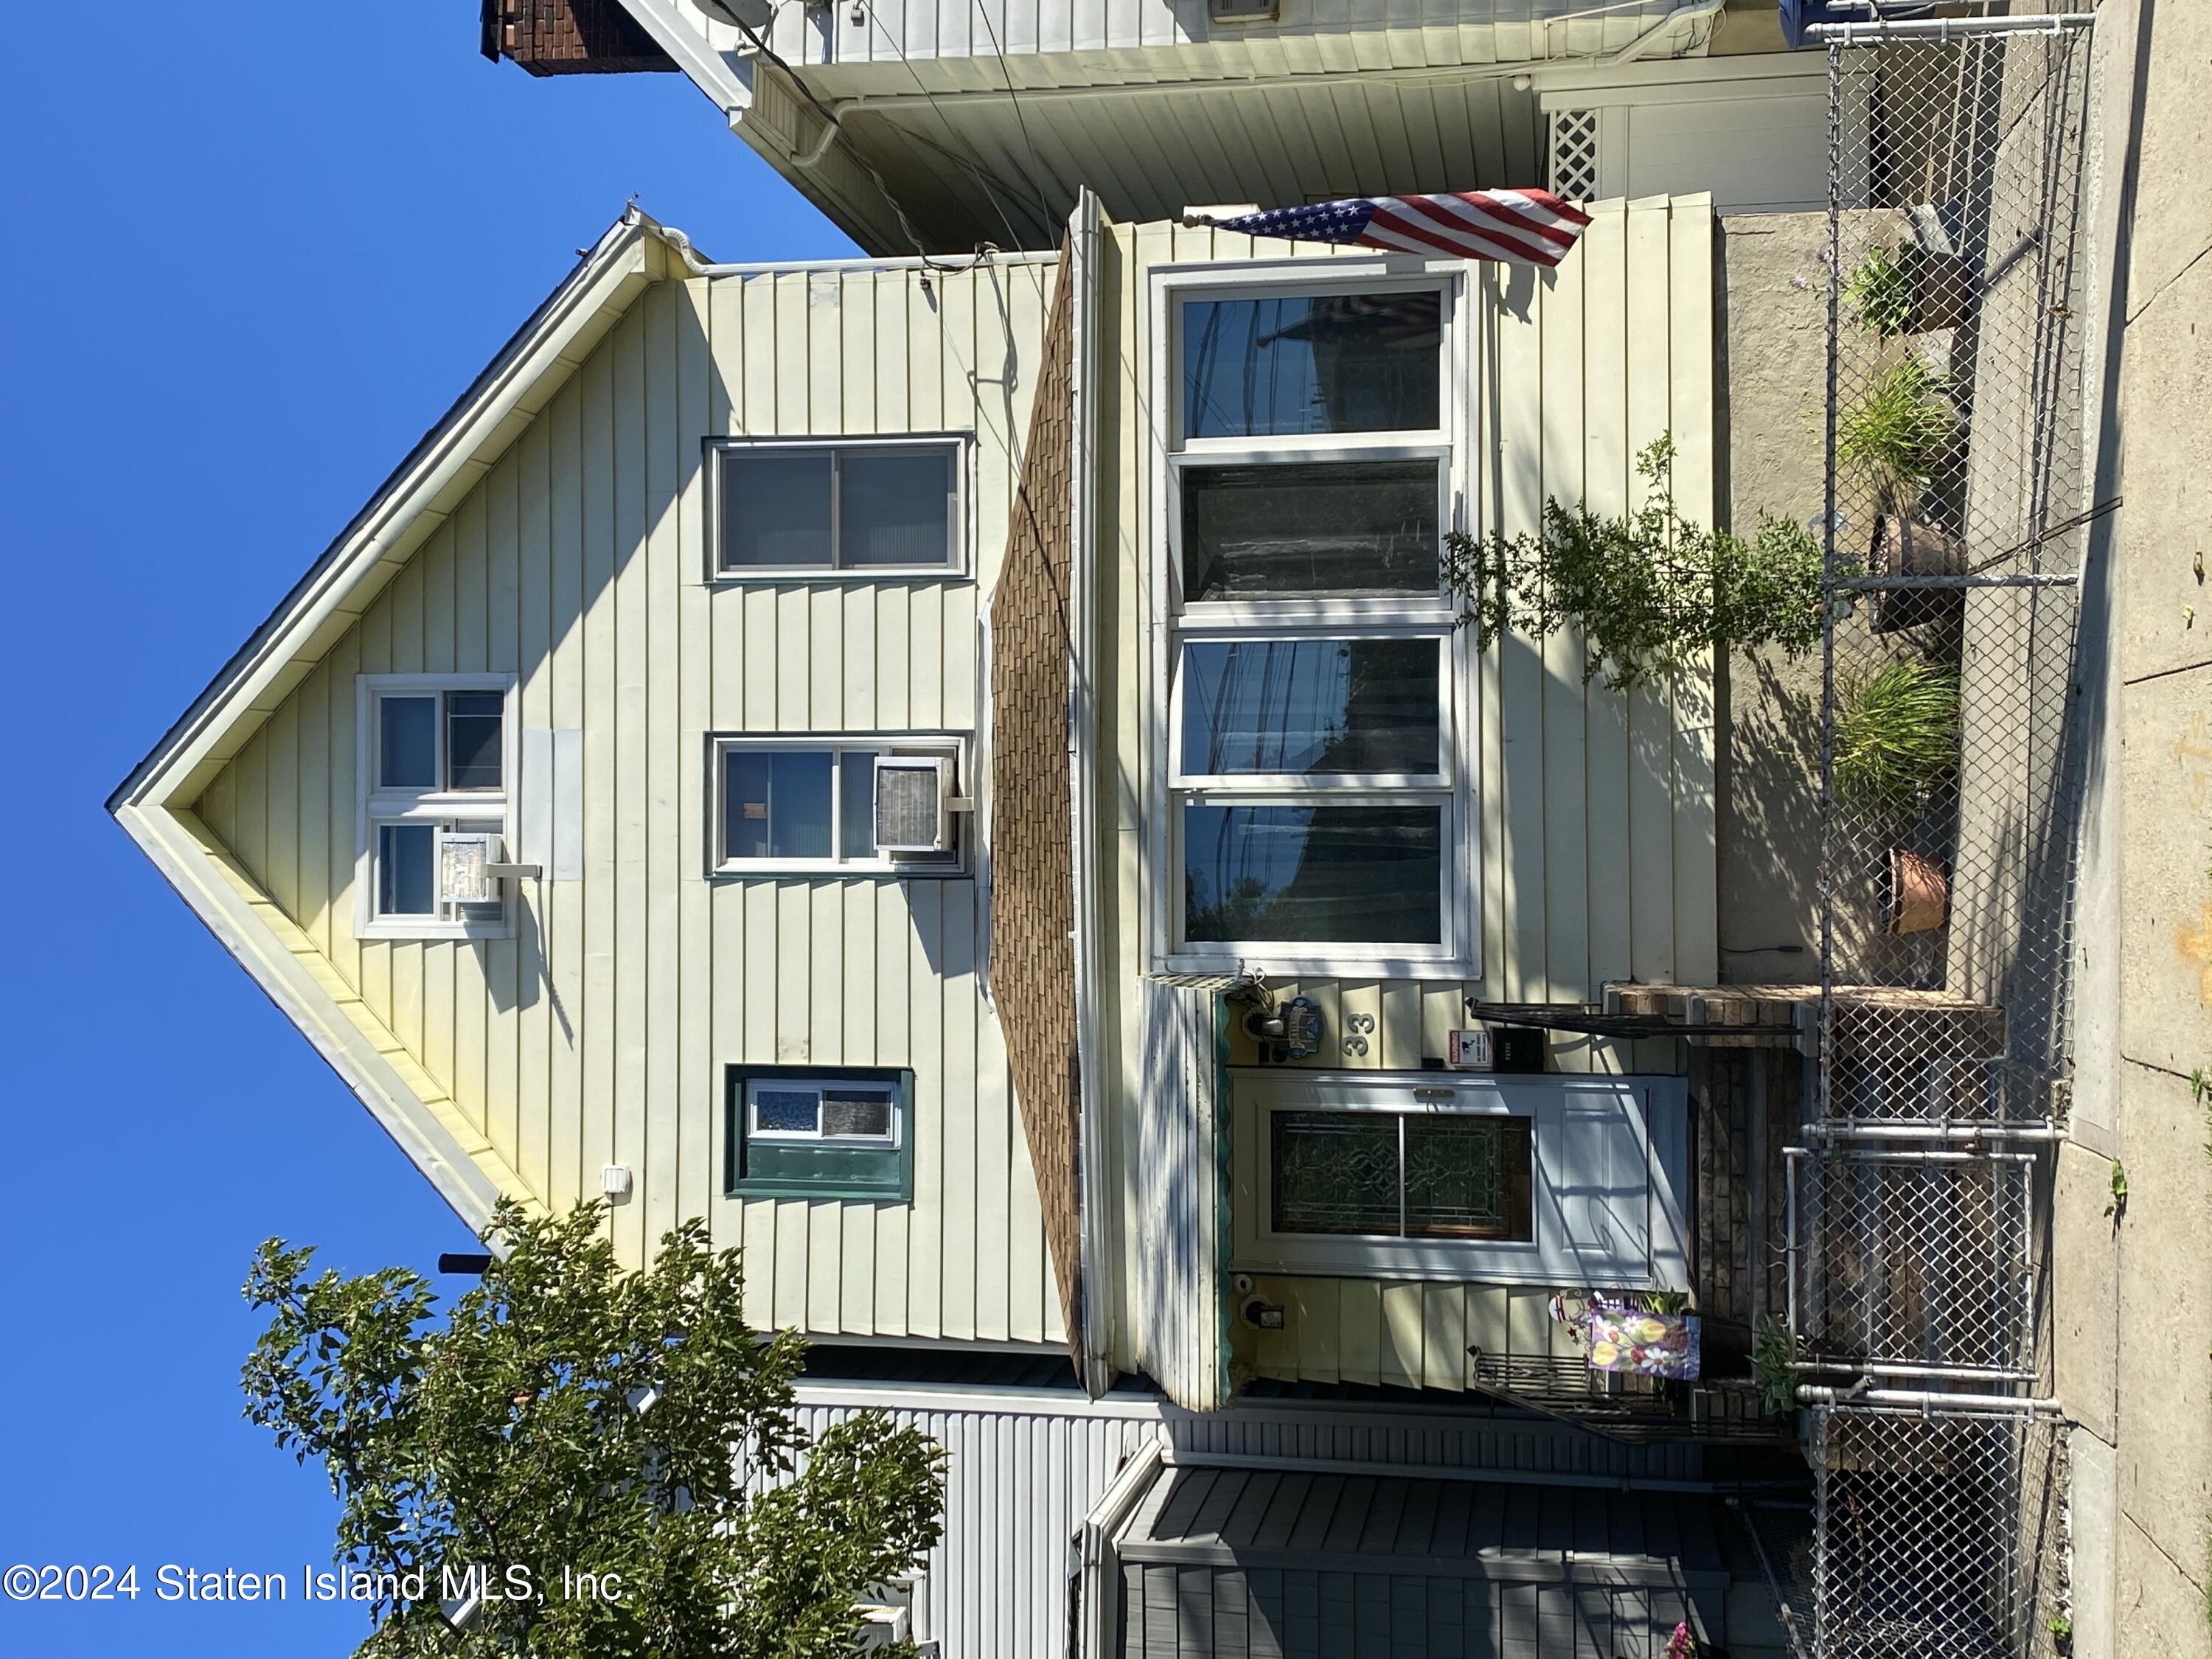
x: 1650, y: 591
x: 568, y: 1415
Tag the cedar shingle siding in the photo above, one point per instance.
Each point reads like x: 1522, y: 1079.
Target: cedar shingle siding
x: 569, y: 37
x: 1032, y: 854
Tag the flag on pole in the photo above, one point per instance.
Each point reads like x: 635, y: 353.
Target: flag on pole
x: 1518, y: 227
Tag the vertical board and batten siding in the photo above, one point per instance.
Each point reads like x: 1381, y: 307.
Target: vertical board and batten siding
x: 599, y: 1034
x: 1594, y: 811
x: 1020, y: 39
x: 1024, y: 1468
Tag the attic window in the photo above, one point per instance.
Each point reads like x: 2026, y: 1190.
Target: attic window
x: 435, y: 755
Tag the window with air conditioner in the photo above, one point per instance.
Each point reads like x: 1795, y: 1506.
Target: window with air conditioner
x: 436, y: 757
x: 859, y: 508
x: 1550, y: 1179
x: 857, y: 805
x: 1315, y: 698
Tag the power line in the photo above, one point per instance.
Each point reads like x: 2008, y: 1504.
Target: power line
x: 1046, y: 222
x: 898, y: 211
x: 1006, y: 74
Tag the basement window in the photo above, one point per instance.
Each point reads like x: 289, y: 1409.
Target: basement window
x: 874, y: 506
x: 436, y: 756
x: 819, y: 1131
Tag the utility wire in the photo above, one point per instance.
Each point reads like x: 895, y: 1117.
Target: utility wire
x: 829, y: 115
x: 1006, y: 74
x: 1046, y: 222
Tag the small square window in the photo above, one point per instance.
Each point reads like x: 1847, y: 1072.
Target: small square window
x: 776, y: 509
x: 824, y: 1132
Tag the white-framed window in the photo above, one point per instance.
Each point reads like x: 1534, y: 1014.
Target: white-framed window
x: 1315, y: 698
x: 822, y: 1111
x: 849, y: 508
x: 436, y: 759
x: 1570, y: 1181
x: 807, y: 805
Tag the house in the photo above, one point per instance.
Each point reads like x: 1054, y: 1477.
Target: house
x: 959, y: 769
x: 810, y: 747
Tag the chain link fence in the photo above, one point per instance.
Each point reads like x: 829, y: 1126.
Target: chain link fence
x: 1955, y: 518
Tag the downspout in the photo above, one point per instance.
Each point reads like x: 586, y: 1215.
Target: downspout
x: 1097, y: 1275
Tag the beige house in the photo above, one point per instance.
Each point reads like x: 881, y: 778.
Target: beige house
x: 836, y: 750
x: 962, y: 771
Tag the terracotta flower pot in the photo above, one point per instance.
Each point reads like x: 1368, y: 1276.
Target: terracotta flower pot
x: 1917, y: 896
x: 1907, y: 546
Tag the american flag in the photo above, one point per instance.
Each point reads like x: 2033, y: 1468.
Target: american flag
x: 1519, y: 226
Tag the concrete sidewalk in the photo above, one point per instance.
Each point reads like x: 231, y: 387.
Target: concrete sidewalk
x: 2131, y: 1297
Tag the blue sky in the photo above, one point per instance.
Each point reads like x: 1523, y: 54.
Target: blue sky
x: 247, y: 264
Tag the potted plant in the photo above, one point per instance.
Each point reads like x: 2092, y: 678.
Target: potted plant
x: 1910, y: 289
x: 1906, y: 545
x: 1904, y: 434
x: 1895, y: 743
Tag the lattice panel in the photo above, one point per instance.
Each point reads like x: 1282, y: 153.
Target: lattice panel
x: 1573, y: 170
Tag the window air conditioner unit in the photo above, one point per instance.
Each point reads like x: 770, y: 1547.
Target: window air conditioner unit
x: 914, y: 804
x: 467, y: 872
x: 1243, y: 11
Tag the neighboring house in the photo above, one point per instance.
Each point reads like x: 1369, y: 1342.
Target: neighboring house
x: 831, y: 749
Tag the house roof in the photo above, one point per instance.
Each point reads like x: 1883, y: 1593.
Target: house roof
x: 155, y: 803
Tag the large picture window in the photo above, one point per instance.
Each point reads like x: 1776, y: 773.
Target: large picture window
x: 877, y: 506
x: 1313, y: 721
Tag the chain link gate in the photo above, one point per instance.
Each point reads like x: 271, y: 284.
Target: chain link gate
x: 1951, y: 767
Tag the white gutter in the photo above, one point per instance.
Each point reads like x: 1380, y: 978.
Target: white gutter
x: 698, y: 265
x: 1093, y: 1124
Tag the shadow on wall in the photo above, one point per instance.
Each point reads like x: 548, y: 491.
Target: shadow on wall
x: 1770, y: 819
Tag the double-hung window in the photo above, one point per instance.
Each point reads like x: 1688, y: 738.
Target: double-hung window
x: 436, y: 753
x: 857, y: 508
x: 1314, y: 719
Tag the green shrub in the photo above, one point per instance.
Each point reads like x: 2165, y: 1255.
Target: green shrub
x: 1904, y: 428
x: 1896, y: 736
x: 1880, y: 293
x: 1774, y: 1356
x: 1650, y: 591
